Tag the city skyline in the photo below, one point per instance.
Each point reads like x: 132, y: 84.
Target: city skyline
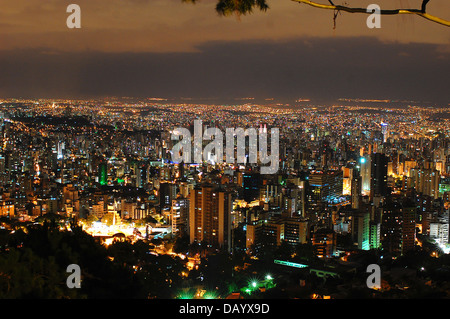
x: 155, y: 149
x: 357, y: 186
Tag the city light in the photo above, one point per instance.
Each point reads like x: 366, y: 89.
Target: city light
x: 193, y: 213
x: 210, y: 295
x: 216, y: 154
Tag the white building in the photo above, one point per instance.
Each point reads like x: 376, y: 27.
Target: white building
x: 439, y: 230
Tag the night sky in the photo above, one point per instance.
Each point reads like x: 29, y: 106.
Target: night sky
x: 163, y: 48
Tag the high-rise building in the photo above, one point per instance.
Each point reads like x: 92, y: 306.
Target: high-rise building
x: 103, y: 174
x: 291, y: 200
x: 60, y: 150
x: 347, y: 180
x: 385, y: 131
x: 408, y: 227
x: 251, y: 184
x: 360, y: 228
x: 210, y: 215
x: 398, y: 227
x: 167, y: 193
x: 425, y: 181
x: 356, y: 189
x: 374, y: 234
x: 326, y: 186
x: 408, y: 165
x: 439, y: 230
x: 365, y: 162
x: 179, y: 216
x: 378, y: 173
x: 141, y: 176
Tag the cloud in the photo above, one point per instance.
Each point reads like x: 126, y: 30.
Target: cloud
x: 312, y: 68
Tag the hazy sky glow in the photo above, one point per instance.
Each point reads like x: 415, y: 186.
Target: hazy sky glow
x: 166, y: 48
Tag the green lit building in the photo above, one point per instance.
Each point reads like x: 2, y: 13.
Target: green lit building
x: 374, y: 239
x: 361, y: 229
x: 103, y: 174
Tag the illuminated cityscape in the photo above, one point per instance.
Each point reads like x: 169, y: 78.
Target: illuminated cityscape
x: 350, y: 190
x: 208, y: 157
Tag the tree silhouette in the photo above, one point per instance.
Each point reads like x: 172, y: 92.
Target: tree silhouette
x: 181, y: 245
x: 243, y: 7
x: 283, y: 251
x: 34, y: 266
x: 24, y: 274
x: 239, y: 7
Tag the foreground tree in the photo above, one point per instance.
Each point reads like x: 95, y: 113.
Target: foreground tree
x: 243, y: 7
x: 33, y: 264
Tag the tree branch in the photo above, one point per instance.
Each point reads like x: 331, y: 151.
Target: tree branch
x: 424, y: 5
x: 420, y: 12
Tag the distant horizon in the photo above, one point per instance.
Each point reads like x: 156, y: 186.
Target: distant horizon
x: 292, y: 102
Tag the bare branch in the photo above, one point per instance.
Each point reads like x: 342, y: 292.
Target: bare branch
x: 424, y: 5
x: 420, y: 12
